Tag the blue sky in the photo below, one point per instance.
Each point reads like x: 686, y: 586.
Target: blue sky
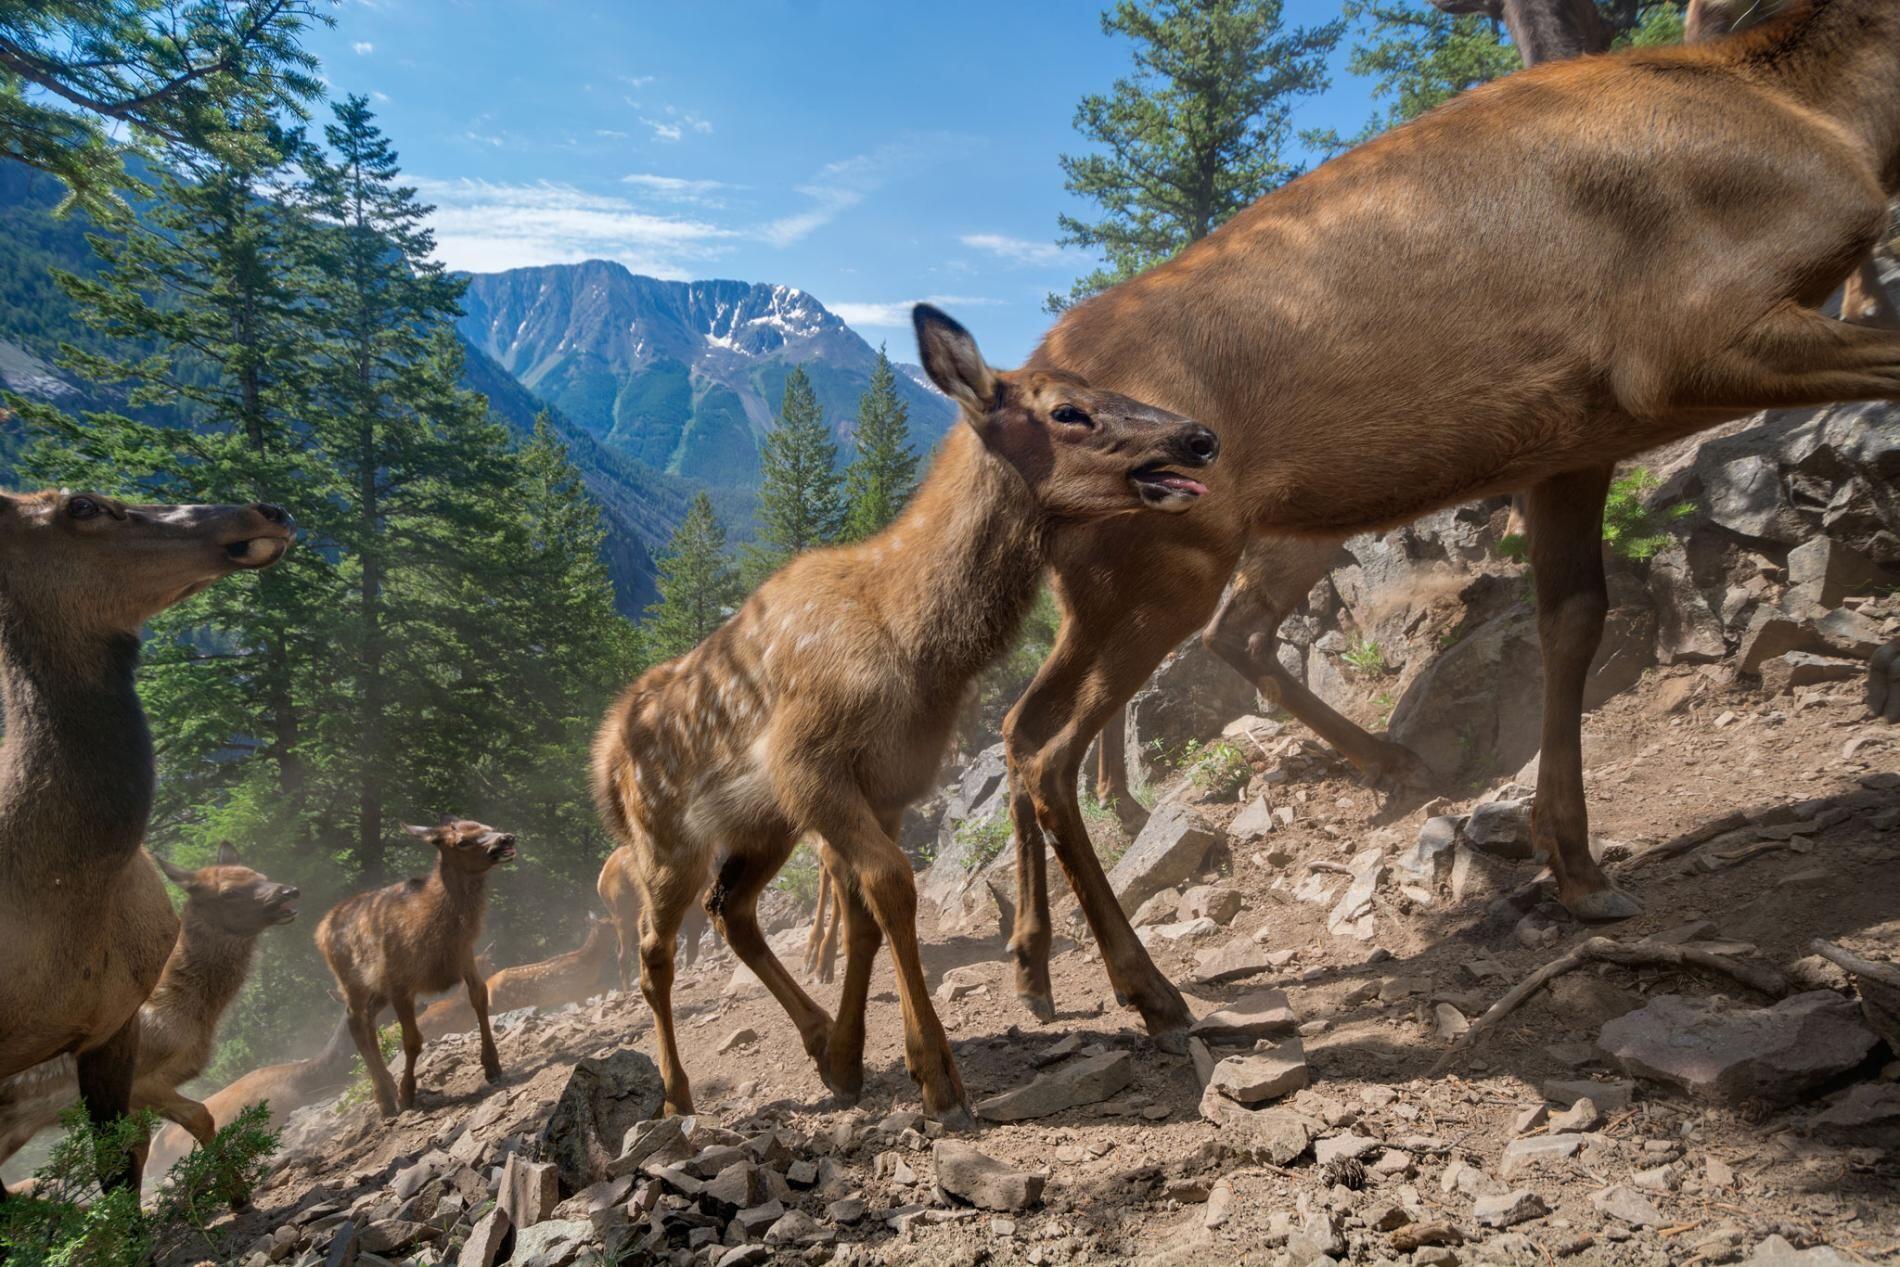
x: 870, y: 154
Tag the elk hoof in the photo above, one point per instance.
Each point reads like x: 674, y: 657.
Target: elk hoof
x: 1172, y: 1041
x: 956, y: 1120
x: 492, y: 1072
x: 1603, y: 906
x: 1399, y: 771
x: 1042, y: 1006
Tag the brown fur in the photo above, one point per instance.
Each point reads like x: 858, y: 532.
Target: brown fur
x: 1595, y: 257
x: 88, y: 925
x: 825, y: 703
x: 285, y: 1088
x: 620, y: 894
x: 827, y: 920
x: 572, y: 977
x: 415, y: 937
x: 227, y: 906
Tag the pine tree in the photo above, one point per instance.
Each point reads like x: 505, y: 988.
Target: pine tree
x: 72, y: 69
x: 880, y: 478
x: 1198, y: 132
x: 698, y: 586
x: 799, y: 503
x: 200, y: 312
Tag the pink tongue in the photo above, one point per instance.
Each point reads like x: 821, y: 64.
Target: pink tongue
x: 1185, y: 484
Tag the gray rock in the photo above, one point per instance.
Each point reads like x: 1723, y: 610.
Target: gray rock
x: 797, y: 1228
x: 1085, y: 1081
x: 1258, y: 1077
x: 661, y: 1136
x: 1610, y: 1097
x: 1743, y: 493
x: 1720, y: 1050
x: 1344, y: 1148
x: 1822, y: 572
x: 1803, y: 668
x: 344, y: 1249
x: 1275, y: 1136
x: 1254, y: 821
x: 1775, y: 1251
x: 743, y: 1256
x: 980, y: 1180
x: 489, y: 1241
x: 553, y: 1243
x: 1848, y: 633
x: 1501, y: 828
x: 529, y: 1190
x: 1627, y: 1206
x: 1474, y: 707
x: 1687, y: 630
x: 1169, y: 851
x: 1240, y: 958
x: 1353, y: 915
x: 1868, y: 1113
x: 1157, y: 910
x: 384, y: 1235
x: 1262, y: 1014
x: 1537, y: 1150
x: 603, y: 1098
x: 1772, y: 633
x: 1508, y: 1209
x: 1428, y: 861
x: 1207, y: 901
x: 1192, y: 695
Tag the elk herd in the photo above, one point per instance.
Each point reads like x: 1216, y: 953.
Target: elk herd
x: 1510, y: 294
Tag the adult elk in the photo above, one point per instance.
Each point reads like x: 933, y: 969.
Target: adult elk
x: 825, y: 704
x: 1592, y: 257
x: 88, y: 925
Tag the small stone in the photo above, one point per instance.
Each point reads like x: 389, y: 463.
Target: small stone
x: 1581, y: 1116
x: 1632, y: 1208
x: 1205, y: 901
x: 1085, y: 1081
x: 1276, y: 1136
x: 1449, y: 1021
x: 738, y: 1038
x: 1243, y: 957
x: 486, y: 1240
x: 797, y: 1228
x: 1537, y: 1150
x: 980, y: 1180
x: 1530, y: 1119
x: 1340, y: 1147
x: 1721, y: 1050
x: 1220, y: 1206
x: 743, y: 1256
x: 1508, y: 1209
x: 1262, y: 1076
x: 846, y: 1210
x: 1611, y: 1097
x: 1262, y: 1014
x: 529, y: 1190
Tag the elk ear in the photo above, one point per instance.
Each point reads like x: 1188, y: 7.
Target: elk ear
x: 180, y: 876
x: 420, y: 833
x: 227, y: 855
x: 950, y: 358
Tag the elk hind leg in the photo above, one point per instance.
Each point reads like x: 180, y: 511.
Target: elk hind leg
x: 405, y: 1009
x: 668, y: 897
x: 1565, y: 516
x: 1274, y: 576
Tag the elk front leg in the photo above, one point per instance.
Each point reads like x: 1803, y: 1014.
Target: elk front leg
x: 659, y: 931
x: 405, y: 1010
x: 193, y: 1116
x: 1565, y: 516
x: 1106, y: 648
x: 478, y: 1000
x: 817, y: 936
x: 362, y: 1022
x: 845, y: 1055
x: 1791, y: 358
x: 1274, y: 576
x: 1883, y: 683
x: 106, y: 1074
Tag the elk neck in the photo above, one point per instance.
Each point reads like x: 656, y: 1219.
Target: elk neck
x: 205, y: 972
x: 1842, y: 57
x: 76, y: 767
x: 959, y: 569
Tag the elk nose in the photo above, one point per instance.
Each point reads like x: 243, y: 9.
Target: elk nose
x: 291, y: 893
x: 275, y: 514
x: 1203, y: 445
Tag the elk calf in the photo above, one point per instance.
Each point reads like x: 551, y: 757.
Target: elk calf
x: 825, y: 704
x: 544, y: 984
x: 227, y: 906
x: 415, y: 937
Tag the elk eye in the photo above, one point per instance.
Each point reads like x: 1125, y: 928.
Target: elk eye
x: 82, y: 508
x: 1071, y: 415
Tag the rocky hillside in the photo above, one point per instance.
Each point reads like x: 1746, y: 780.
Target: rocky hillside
x: 1407, y: 1052
x: 683, y: 376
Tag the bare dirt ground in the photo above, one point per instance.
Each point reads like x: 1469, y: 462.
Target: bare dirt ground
x: 1129, y: 1178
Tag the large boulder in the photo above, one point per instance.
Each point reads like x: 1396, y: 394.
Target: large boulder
x: 1687, y: 629
x: 603, y: 1098
x: 1191, y: 696
x: 1168, y: 852
x: 1719, y: 1050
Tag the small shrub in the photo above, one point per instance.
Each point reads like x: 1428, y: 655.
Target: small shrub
x: 1218, y: 767
x: 1631, y: 529
x: 1365, y: 655
x: 983, y: 839
x: 799, y: 876
x: 388, y: 1043
x: 1384, y: 703
x: 68, y: 1220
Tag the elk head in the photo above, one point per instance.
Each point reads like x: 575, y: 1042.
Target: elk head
x: 1086, y: 453
x: 1710, y: 19
x: 85, y: 564
x: 466, y: 844
x: 232, y: 897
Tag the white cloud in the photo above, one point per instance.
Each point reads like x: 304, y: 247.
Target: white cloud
x: 679, y: 188
x: 664, y: 131
x: 484, y: 138
x: 609, y: 134
x: 676, y: 124
x: 380, y: 98
x: 635, y: 81
x: 896, y: 315
x: 485, y: 227
x: 1024, y: 251
x: 837, y: 188
x: 362, y: 48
